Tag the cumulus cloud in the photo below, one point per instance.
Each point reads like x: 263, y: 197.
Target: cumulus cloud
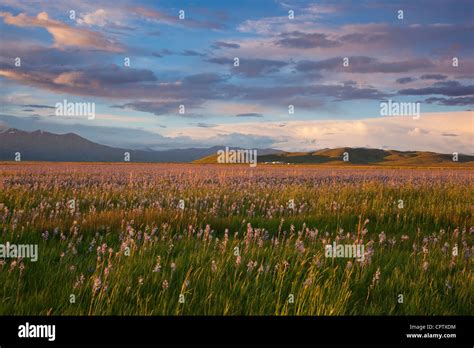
x: 431, y: 132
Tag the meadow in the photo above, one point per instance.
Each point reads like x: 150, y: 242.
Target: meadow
x: 189, y: 239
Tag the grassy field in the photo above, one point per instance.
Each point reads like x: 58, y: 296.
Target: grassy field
x: 146, y: 239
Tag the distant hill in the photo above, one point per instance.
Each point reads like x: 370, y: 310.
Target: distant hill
x: 70, y: 147
x: 358, y: 156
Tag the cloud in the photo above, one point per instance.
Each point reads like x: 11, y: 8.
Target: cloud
x: 433, y: 77
x: 205, y: 125
x: 106, y: 81
x: 63, y: 34
x: 304, y: 95
x: 404, y: 80
x: 160, y: 16
x: 37, y: 106
x: 249, y: 114
x: 458, y: 101
x: 252, y: 67
x: 428, y: 133
x: 191, y: 53
x: 98, y: 18
x: 159, y: 108
x: 450, y: 90
x: 298, y: 39
x: 362, y: 64
x: 222, y: 44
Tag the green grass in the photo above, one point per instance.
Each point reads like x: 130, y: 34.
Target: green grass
x: 237, y: 248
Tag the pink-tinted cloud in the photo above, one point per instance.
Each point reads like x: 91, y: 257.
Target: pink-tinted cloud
x: 63, y: 34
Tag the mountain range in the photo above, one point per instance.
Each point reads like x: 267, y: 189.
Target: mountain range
x: 70, y: 147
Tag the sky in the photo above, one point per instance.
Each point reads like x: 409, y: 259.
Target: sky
x: 331, y: 62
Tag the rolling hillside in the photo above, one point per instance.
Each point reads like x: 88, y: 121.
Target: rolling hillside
x: 359, y: 156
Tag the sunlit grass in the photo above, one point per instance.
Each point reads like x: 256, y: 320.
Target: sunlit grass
x: 237, y: 247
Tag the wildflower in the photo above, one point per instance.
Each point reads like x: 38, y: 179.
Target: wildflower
x: 449, y: 286
x: 165, y: 285
x: 300, y: 247
x: 404, y: 237
x: 79, y: 281
x: 425, y: 266
x: 12, y: 265
x: 251, y: 265
x: 158, y: 265
x: 97, y: 284
x: 382, y: 237
x: 308, y: 282
x: 213, y: 266
x: 173, y: 266
x: 140, y: 280
x: 45, y: 235
x: 349, y: 265
x: 467, y: 253
x: 238, y: 260
x: 445, y: 248
x: 375, y: 278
